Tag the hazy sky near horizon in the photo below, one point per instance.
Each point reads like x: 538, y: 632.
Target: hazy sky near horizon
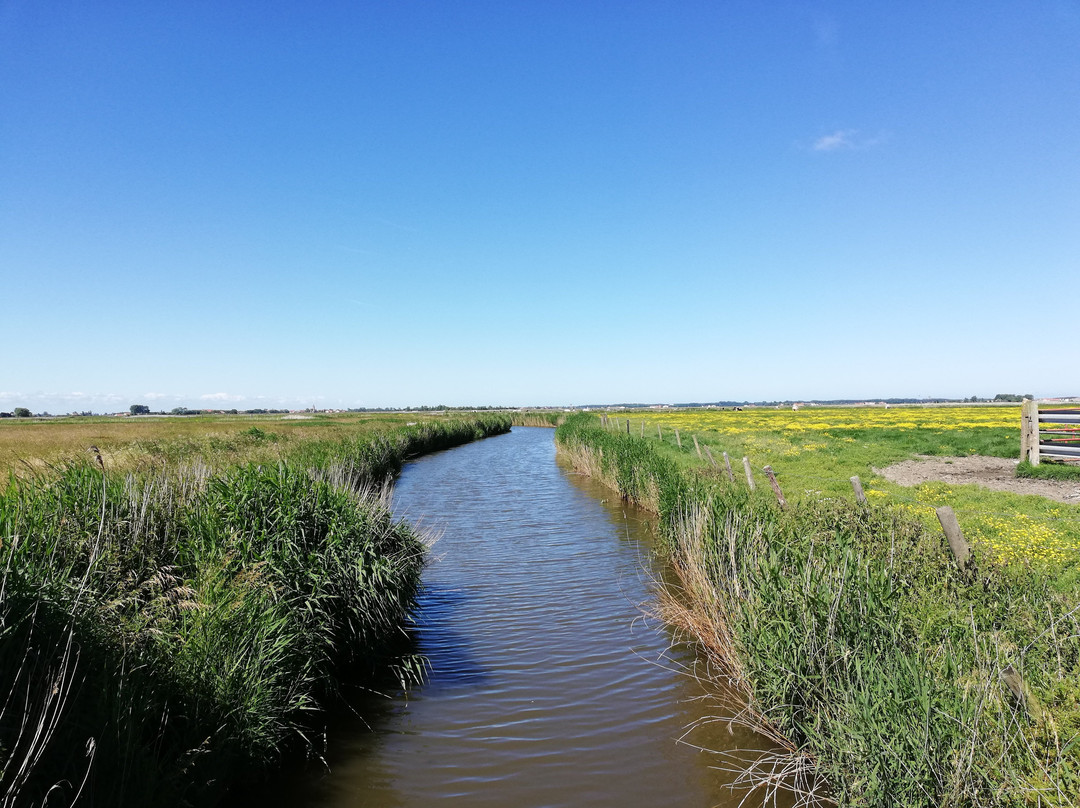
x: 384, y: 204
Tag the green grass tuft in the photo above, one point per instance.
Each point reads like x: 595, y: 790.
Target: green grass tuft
x: 1048, y: 471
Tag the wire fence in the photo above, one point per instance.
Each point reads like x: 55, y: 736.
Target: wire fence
x: 741, y: 467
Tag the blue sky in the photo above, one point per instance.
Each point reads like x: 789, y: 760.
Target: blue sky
x: 385, y: 204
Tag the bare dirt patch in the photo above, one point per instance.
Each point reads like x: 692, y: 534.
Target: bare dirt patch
x: 995, y: 473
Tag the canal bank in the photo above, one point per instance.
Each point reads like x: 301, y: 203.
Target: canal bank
x: 547, y: 685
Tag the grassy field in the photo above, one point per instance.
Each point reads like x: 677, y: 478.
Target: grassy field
x: 130, y: 443
x: 886, y: 674
x: 816, y: 450
x: 179, y: 607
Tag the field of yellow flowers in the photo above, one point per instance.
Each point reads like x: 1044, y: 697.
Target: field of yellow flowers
x: 816, y: 450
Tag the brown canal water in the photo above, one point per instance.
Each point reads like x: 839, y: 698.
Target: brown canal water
x: 547, y: 685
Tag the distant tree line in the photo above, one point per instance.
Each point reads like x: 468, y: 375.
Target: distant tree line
x: 257, y: 411
x: 143, y: 409
x: 442, y: 408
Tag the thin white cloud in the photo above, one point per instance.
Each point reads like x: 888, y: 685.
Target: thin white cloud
x: 846, y: 140
x: 80, y: 401
x: 91, y: 397
x: 840, y: 139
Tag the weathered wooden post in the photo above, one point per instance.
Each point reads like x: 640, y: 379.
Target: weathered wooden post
x: 696, y: 446
x: 1029, y: 431
x: 659, y: 433
x: 856, y: 483
x: 951, y: 527
x: 643, y: 427
x: 727, y: 465
x: 749, y: 473
x: 775, y: 487
x: 708, y: 454
x: 678, y: 440
x: 1012, y: 680
x: 628, y: 427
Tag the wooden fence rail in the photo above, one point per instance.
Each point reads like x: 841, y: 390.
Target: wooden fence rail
x: 1049, y: 432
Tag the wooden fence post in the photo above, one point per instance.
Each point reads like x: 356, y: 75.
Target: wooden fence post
x: 775, y: 487
x: 749, y: 473
x: 708, y: 454
x: 628, y: 426
x: 951, y: 527
x: 678, y: 440
x: 856, y: 483
x: 659, y: 433
x: 696, y: 446
x: 1029, y: 431
x: 1018, y: 687
x: 727, y: 465
x: 643, y: 427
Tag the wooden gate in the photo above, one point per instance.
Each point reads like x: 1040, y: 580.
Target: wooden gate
x: 1049, y: 432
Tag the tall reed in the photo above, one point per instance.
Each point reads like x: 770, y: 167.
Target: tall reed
x: 163, y: 633
x: 883, y: 674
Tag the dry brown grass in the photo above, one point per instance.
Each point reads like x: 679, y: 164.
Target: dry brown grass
x: 128, y: 442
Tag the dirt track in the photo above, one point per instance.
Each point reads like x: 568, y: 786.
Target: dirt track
x: 995, y: 473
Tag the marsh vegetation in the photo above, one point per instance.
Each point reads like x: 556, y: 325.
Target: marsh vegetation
x: 177, y: 611
x: 893, y: 677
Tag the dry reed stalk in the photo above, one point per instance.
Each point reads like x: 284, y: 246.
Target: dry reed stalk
x: 585, y: 461
x: 701, y: 609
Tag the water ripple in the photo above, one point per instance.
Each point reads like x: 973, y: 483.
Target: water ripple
x: 543, y: 687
